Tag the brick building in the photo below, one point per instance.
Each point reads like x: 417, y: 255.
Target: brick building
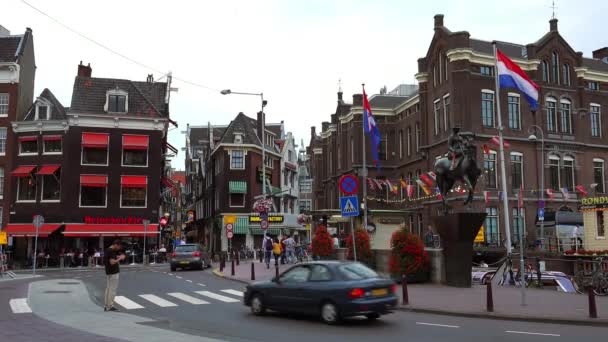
x: 456, y: 89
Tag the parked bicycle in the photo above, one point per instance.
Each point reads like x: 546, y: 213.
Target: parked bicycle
x: 302, y: 253
x: 597, y: 279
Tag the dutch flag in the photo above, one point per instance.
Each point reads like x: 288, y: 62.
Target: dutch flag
x: 510, y: 75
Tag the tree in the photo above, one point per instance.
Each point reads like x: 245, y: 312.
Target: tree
x: 407, y: 253
x: 322, y: 244
x: 362, y: 242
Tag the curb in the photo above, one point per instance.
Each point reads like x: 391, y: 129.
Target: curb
x: 219, y: 274
x: 499, y: 316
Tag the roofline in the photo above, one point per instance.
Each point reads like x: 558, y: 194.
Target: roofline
x: 17, y: 52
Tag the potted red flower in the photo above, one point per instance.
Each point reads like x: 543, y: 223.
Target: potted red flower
x: 408, y: 256
x: 322, y: 243
x: 362, y: 244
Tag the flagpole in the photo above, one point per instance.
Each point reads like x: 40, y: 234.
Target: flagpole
x: 503, y: 181
x: 522, y: 268
x: 364, y: 175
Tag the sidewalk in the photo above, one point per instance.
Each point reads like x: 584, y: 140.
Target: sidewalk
x: 542, y: 305
x: 83, y: 269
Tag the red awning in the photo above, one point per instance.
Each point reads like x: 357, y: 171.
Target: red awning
x: 291, y: 166
x: 95, y: 140
x: 94, y: 180
x: 134, y: 181
x: 51, y: 137
x: 135, y: 142
x: 28, y: 138
x: 87, y: 230
x: 168, y: 183
x: 23, y: 171
x: 30, y: 230
x: 48, y: 169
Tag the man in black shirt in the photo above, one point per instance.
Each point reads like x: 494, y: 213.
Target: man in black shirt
x: 111, y: 260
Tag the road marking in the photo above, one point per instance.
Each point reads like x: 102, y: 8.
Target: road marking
x: 233, y: 292
x: 127, y: 303
x: 438, y: 325
x: 157, y: 300
x: 19, y: 305
x: 178, y: 277
x: 218, y: 297
x: 188, y: 280
x: 530, y: 333
x: 201, y: 284
x: 170, y: 274
x: 186, y: 298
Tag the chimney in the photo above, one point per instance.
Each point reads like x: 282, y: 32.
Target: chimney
x: 260, y: 123
x: 313, y: 132
x: 324, y: 126
x: 553, y: 25
x: 600, y: 53
x: 4, y: 32
x: 84, y: 71
x: 358, y: 100
x: 438, y: 20
x: 150, y: 78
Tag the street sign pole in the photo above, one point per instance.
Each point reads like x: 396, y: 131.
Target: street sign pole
x: 146, y: 223
x: 38, y: 222
x: 352, y: 227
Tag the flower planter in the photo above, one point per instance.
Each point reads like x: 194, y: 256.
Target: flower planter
x: 420, y: 276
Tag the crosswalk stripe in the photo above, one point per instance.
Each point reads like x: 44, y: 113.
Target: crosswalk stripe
x: 157, y: 300
x: 234, y: 292
x: 201, y: 284
x: 127, y: 303
x: 217, y: 296
x: 19, y: 305
x: 186, y: 298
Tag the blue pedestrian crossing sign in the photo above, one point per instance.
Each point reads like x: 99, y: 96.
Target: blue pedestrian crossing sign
x: 349, y: 205
x: 541, y: 214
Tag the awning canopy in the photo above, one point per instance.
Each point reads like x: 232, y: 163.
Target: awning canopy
x: 29, y: 229
x: 241, y: 226
x: 51, y: 137
x: 90, y: 230
x: 48, y: 169
x: 95, y: 140
x: 237, y: 187
x: 134, y: 181
x: 94, y: 180
x: 135, y: 142
x: 23, y: 171
x: 28, y: 138
x: 269, y: 231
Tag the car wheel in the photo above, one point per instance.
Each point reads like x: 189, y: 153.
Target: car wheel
x: 257, y: 305
x: 373, y: 316
x: 330, y: 313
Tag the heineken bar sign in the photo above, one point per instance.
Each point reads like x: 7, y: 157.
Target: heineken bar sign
x: 590, y: 203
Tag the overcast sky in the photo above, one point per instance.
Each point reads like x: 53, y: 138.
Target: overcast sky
x: 293, y: 51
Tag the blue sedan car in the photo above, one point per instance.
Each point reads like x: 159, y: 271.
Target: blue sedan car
x: 331, y: 289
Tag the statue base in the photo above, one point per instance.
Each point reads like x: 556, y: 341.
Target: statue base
x: 458, y: 231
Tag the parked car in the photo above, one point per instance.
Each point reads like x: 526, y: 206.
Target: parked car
x: 190, y: 255
x: 331, y: 289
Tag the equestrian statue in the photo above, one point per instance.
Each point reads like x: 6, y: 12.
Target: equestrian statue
x: 459, y: 164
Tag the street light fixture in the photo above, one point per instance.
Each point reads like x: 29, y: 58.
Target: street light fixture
x: 533, y: 138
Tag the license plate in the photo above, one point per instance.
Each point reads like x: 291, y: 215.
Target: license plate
x: 184, y: 262
x: 379, y: 292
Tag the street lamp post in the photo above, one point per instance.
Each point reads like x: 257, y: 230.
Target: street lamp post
x: 533, y: 137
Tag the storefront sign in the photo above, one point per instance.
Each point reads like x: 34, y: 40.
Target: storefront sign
x: 590, y: 203
x: 112, y: 220
x: 271, y: 219
x: 230, y: 219
x: 481, y: 237
x: 3, y: 238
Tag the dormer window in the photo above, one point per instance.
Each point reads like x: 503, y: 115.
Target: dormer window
x: 238, y: 138
x: 117, y: 101
x: 42, y: 112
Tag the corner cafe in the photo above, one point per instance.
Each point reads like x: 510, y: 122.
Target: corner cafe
x: 247, y: 230
x: 594, y: 218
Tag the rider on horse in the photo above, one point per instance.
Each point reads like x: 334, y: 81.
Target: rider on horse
x: 456, y: 145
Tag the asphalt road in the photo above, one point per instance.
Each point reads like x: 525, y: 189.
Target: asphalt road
x: 175, y: 301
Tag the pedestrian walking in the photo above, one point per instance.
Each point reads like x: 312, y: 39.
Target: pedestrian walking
x: 290, y: 249
x: 268, y: 246
x: 111, y: 261
x: 429, y: 237
x: 276, y: 250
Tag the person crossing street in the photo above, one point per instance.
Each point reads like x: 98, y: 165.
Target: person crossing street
x: 111, y: 261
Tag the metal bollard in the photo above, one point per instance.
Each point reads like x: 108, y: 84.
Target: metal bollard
x: 276, y: 271
x: 592, y: 306
x: 253, y: 271
x: 489, y: 298
x: 238, y: 257
x: 222, y: 262
x: 406, y: 299
x: 538, y: 274
x: 232, y: 268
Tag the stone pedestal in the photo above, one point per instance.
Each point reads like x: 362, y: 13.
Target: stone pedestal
x: 457, y: 231
x: 437, y: 265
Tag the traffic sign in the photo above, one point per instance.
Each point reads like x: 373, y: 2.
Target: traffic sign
x: 541, y: 214
x: 349, y: 205
x: 264, y: 224
x: 163, y: 221
x: 38, y: 221
x: 349, y: 184
x: 229, y: 227
x: 229, y: 234
x: 230, y: 219
x: 541, y: 204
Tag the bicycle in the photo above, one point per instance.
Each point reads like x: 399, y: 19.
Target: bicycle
x: 302, y: 254
x: 597, y: 280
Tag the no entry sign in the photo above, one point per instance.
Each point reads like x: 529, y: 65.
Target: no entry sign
x: 349, y: 184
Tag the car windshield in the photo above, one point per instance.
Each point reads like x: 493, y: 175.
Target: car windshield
x: 357, y: 272
x: 187, y: 248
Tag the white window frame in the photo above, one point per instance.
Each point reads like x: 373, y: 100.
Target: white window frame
x: 569, y: 103
x: 559, y: 169
x: 7, y: 105
x: 303, y: 201
x: 2, y: 183
x: 400, y: 144
x: 597, y: 237
x: 572, y: 174
x: 51, y: 153
x: 235, y: 205
x: 107, y: 156
x: 488, y: 91
x: 445, y: 111
x: 2, y: 153
x: 495, y: 168
x: 437, y: 116
x: 518, y: 110
x: 600, y: 160
x: 42, y: 189
x: 599, y: 118
x: 118, y: 92
x: 21, y: 153
x: 270, y: 162
x: 145, y: 197
x: 93, y: 206
x: 122, y: 153
x: 237, y: 168
x: 514, y: 153
x: 17, y: 195
x: 238, y: 138
x: 555, y: 113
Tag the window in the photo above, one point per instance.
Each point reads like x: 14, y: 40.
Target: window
x: 516, y: 170
x: 117, y: 103
x: 51, y: 144
x: 555, y: 67
x: 551, y: 115
x: 305, y: 205
x: 409, y: 141
x: 491, y: 226
x: 51, y: 187
x: 545, y: 71
x: 418, y: 189
x: 486, y: 70
x: 596, y: 121
x: 489, y: 164
x: 566, y: 74
x: 434, y: 76
x: 487, y: 108
x: 554, y: 172
x: 598, y: 175
x: 238, y: 138
x: 26, y: 189
x: 593, y: 86
x: 286, y: 177
x: 95, y: 148
x: 446, y: 63
x: 306, y: 186
x: 42, y: 112
x: 133, y: 191
x: 2, y: 140
x: 269, y: 162
x: 514, y: 111
x: 440, y: 68
x: 3, y: 104
x: 237, y: 160
x: 400, y: 144
x: 568, y: 173
x: 93, y: 191
x: 566, y: 117
x: 298, y: 274
x: 600, y: 228
x: 237, y: 200
x: 519, y: 223
x: 446, y: 112
x: 417, y: 137
x: 356, y: 271
x: 419, y: 228
x: 352, y: 150
x: 289, y: 156
x: 320, y: 273
x: 437, y: 112
x: 135, y: 150
x: 28, y: 145
x: 1, y: 182
x: 382, y: 148
x: 339, y: 153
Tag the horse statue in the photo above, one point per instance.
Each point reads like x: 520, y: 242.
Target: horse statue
x: 458, y: 165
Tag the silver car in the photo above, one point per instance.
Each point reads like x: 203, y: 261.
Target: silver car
x: 191, y: 255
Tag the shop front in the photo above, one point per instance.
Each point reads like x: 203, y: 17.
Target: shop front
x: 594, y: 216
